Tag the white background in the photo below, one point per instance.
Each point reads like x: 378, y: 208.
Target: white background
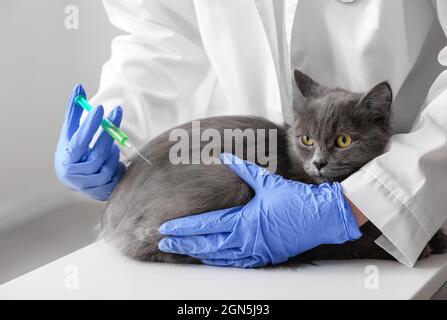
x: 40, y: 61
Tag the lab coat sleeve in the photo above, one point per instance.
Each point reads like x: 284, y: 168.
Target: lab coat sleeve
x: 154, y: 68
x: 403, y: 192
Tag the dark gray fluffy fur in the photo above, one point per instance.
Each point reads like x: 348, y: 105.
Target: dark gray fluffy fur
x: 149, y: 195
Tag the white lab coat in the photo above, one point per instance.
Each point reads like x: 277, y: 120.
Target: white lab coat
x: 187, y: 59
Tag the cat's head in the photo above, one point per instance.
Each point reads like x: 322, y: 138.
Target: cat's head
x: 336, y: 131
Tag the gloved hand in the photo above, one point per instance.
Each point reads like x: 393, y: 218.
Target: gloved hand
x: 284, y: 219
x: 93, y: 171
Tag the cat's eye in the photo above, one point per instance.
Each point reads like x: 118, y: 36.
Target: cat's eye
x: 307, y: 141
x: 344, y: 141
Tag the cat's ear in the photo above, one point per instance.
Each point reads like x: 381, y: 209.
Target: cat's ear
x: 377, y: 102
x: 307, y: 86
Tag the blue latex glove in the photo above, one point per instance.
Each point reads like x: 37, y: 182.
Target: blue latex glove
x: 284, y: 219
x: 93, y: 171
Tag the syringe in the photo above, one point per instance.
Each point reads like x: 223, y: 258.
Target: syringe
x: 118, y: 135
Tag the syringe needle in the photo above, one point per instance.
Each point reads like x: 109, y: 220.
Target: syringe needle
x: 119, y: 136
x: 136, y: 151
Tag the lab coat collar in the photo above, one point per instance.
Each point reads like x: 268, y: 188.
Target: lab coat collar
x: 241, y: 40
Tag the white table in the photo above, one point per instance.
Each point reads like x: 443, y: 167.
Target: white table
x: 98, y: 271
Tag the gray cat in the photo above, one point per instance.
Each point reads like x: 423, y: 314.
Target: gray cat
x: 336, y: 132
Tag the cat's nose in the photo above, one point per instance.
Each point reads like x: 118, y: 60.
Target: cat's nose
x: 320, y: 164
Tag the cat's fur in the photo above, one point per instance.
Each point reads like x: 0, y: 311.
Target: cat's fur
x: 149, y: 195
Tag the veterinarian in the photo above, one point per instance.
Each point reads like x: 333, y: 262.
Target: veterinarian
x: 182, y: 60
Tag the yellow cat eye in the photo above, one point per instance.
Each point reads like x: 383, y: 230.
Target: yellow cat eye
x: 344, y: 140
x: 307, y: 141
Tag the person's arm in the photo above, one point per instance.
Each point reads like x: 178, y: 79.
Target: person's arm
x: 152, y: 73
x: 155, y: 67
x: 403, y: 191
